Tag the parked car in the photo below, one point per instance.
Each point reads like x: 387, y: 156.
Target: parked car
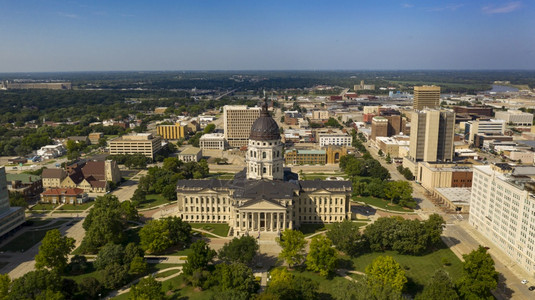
x: 532, y: 288
x: 524, y: 281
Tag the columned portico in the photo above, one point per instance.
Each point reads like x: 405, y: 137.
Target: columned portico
x: 252, y: 221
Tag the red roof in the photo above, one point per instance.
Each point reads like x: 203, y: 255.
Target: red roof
x: 67, y: 192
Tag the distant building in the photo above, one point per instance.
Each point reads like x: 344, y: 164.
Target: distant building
x: 334, y: 153
x: 320, y: 115
x: 190, y: 154
x: 480, y: 139
x: 52, y: 178
x: 515, y: 117
x: 391, y: 145
x: 437, y: 175
x: 362, y: 86
x: 379, y: 127
x: 292, y: 117
x: 10, y: 217
x: 11, y: 85
x: 29, y: 186
x: 64, y: 196
x: 305, y: 157
x: 143, y: 143
x: 426, y: 96
x: 333, y: 137
x: 51, y: 151
x: 160, y: 110
x: 171, y: 132
x: 237, y: 122
x: 479, y: 127
x: 95, y: 137
x: 212, y: 141
x: 474, y: 110
x: 79, y: 139
x: 90, y: 176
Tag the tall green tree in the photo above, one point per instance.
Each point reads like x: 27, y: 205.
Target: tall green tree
x: 54, y: 251
x: 39, y: 284
x: 242, y: 250
x: 385, y: 273
x: 284, y: 285
x: 322, y: 256
x: 440, y: 287
x: 109, y: 254
x: 201, y: 255
x: 234, y: 277
x: 293, y: 244
x: 159, y: 235
x: 147, y: 289
x: 5, y: 282
x: 346, y: 237
x: 479, y: 275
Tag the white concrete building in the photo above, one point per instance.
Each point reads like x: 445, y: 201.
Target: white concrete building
x: 190, y: 154
x: 502, y: 208
x: 51, y: 151
x: 334, y: 138
x: 516, y: 117
x: 212, y: 141
x: 483, y: 127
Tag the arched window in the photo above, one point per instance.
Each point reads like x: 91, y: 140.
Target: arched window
x: 264, y: 155
x: 264, y: 170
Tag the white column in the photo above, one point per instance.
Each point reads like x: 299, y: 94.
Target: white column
x: 240, y: 220
x: 271, y: 222
x: 247, y: 221
x: 258, y: 221
x: 284, y: 224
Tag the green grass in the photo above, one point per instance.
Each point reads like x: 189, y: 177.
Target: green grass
x: 381, y: 203
x: 153, y: 200
x: 77, y: 207
x: 310, y: 229
x: 24, y: 241
x: 167, y: 273
x: 215, y: 228
x: 44, y: 206
x: 326, y: 285
x: 417, y: 268
x: 184, y: 252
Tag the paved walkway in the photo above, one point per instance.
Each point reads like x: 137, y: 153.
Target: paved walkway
x: 126, y: 288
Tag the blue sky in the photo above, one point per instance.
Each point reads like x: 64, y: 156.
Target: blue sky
x: 61, y: 35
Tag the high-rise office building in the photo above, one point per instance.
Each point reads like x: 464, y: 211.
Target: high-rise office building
x: 10, y: 217
x: 426, y: 96
x: 502, y: 206
x: 237, y: 122
x: 432, y: 135
x: 379, y: 127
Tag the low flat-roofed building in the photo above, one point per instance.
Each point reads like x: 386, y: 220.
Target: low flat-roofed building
x: 190, y: 154
x: 95, y: 137
x: 305, y: 157
x: 64, y: 195
x: 525, y: 157
x: 515, y: 117
x: 29, y: 186
x: 454, y: 198
x: 391, y: 145
x: 433, y: 175
x: 10, y: 217
x: 333, y: 137
x: 480, y: 139
x: 143, y: 143
x: 212, y: 141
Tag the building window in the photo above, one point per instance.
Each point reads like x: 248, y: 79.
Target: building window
x: 264, y: 170
x: 263, y: 154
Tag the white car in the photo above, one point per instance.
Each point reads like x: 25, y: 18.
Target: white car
x: 524, y: 281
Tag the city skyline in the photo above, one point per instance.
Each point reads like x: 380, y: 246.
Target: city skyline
x: 342, y: 35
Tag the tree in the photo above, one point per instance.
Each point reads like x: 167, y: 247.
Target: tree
x: 90, y: 286
x: 129, y: 211
x: 109, y: 254
x: 5, y: 282
x: 346, y: 237
x: 114, y: 275
x: 159, y: 235
x: 388, y: 159
x: 105, y: 223
x: 138, y: 266
x: 434, y: 227
x: 322, y: 256
x: 78, y: 265
x: 380, y: 153
x: 242, y: 250
x: 284, y: 285
x: 131, y: 251
x: 353, y: 290
x: 54, y: 250
x: 147, y: 289
x: 440, y: 287
x: 199, y: 258
x: 399, y: 192
x: 385, y: 272
x: 234, y: 277
x: 17, y: 199
x: 139, y: 196
x: 39, y: 284
x: 480, y: 276
x: 209, y: 128
x: 293, y: 244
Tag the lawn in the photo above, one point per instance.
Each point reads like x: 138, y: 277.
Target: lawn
x: 43, y: 206
x: 25, y: 241
x: 153, y: 200
x: 309, y: 229
x: 77, y: 207
x: 215, y: 228
x: 418, y: 268
x: 381, y: 203
x: 167, y: 273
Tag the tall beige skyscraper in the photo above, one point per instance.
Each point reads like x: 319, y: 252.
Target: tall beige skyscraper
x: 432, y: 135
x: 237, y: 122
x: 426, y: 96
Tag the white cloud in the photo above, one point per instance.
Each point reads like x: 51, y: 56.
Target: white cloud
x: 407, y: 5
x: 503, y: 9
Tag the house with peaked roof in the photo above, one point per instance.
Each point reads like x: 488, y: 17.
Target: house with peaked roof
x: 64, y: 195
x: 264, y: 198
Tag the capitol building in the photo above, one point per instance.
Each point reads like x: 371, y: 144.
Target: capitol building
x: 265, y: 196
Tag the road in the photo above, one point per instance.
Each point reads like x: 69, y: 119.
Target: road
x: 126, y: 190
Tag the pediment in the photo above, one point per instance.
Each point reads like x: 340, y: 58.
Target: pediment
x: 321, y: 191
x: 261, y: 205
x: 208, y: 191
